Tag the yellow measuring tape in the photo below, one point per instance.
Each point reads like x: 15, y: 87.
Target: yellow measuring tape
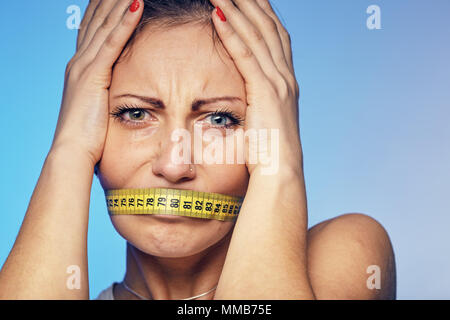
x: 176, y: 202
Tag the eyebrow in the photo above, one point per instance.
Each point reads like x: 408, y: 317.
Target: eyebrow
x: 196, y: 104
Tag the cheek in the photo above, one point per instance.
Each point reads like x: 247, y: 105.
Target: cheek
x: 227, y: 179
x: 124, y: 153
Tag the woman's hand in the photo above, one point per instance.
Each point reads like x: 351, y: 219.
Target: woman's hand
x: 275, y: 251
x: 83, y: 119
x: 261, y: 49
x: 53, y: 234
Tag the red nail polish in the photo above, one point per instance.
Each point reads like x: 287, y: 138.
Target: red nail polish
x: 134, y: 6
x: 220, y: 14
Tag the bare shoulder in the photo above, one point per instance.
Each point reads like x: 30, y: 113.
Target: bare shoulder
x: 351, y: 257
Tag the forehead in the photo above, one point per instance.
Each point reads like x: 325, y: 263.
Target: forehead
x: 180, y: 58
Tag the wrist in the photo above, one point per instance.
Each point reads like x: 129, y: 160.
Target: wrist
x: 290, y: 176
x: 71, y: 156
x: 283, y: 171
x: 286, y: 159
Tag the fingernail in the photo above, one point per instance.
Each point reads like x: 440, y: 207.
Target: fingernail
x: 220, y: 14
x: 134, y: 6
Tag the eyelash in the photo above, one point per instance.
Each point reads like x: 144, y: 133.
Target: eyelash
x: 236, y: 120
x: 120, y: 110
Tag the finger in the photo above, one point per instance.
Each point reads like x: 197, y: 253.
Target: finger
x: 269, y: 29
x: 250, y: 36
x: 115, y: 17
x: 284, y: 34
x: 242, y: 56
x: 85, y: 22
x: 101, y: 12
x: 114, y: 44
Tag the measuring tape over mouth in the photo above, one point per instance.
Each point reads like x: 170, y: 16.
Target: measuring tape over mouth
x: 187, y: 203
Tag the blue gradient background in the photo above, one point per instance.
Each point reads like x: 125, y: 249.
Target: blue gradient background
x: 374, y: 122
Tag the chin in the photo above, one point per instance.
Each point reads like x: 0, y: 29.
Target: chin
x: 171, y: 237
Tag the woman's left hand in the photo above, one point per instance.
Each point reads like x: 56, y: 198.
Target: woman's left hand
x: 260, y: 47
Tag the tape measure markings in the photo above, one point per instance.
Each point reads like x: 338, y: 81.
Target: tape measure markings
x: 173, y: 202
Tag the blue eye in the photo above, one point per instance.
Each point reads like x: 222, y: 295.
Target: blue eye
x: 225, y: 119
x: 219, y: 120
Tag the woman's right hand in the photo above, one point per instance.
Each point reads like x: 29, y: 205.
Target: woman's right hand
x: 84, y: 114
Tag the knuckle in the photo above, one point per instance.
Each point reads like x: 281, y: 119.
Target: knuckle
x: 96, y: 21
x: 286, y: 35
x: 73, y: 73
x: 264, y: 4
x: 292, y: 81
x: 271, y: 25
x: 281, y: 88
x: 108, y: 23
x: 270, y: 89
x: 256, y: 34
x: 297, y: 88
x: 111, y: 41
x: 246, y: 53
x: 67, y: 73
x: 273, y: 94
x: 70, y: 64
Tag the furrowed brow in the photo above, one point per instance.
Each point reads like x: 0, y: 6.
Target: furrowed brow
x: 196, y: 105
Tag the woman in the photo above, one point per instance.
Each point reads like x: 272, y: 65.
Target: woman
x: 142, y: 70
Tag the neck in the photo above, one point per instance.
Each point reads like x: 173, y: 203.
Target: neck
x: 174, y: 278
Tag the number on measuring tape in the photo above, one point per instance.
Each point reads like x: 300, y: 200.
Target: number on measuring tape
x: 173, y: 202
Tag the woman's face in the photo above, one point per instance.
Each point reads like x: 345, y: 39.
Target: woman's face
x: 174, y: 67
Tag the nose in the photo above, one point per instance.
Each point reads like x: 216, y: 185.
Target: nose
x: 165, y: 166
